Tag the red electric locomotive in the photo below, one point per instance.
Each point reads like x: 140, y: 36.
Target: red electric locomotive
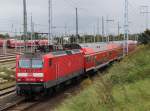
x: 38, y: 72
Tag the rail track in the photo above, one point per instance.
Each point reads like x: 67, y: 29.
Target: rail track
x: 8, y: 106
x: 21, y: 105
x: 8, y: 90
x: 59, y: 95
x: 7, y: 60
x: 8, y: 57
x: 9, y: 52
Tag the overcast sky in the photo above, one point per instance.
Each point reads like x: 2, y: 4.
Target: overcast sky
x: 64, y: 14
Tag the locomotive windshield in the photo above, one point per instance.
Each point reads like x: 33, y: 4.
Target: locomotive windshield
x: 37, y: 63
x: 24, y: 63
x: 30, y: 63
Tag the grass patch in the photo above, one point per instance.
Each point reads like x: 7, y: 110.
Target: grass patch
x: 6, y: 75
x: 125, y: 87
x: 7, y: 84
x: 133, y: 97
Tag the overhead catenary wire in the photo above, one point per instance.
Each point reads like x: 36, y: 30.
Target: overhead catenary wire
x: 77, y: 3
x: 146, y: 12
x: 74, y: 5
x: 133, y: 10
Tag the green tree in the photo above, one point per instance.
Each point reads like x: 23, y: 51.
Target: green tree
x: 144, y: 38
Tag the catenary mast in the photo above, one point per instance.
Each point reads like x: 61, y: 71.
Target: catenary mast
x: 25, y: 23
x: 126, y: 28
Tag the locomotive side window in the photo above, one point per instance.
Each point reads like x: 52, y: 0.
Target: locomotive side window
x: 69, y: 52
x: 50, y: 62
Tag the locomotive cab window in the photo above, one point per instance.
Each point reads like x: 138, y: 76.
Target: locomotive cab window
x: 37, y: 63
x: 24, y: 63
x: 28, y: 63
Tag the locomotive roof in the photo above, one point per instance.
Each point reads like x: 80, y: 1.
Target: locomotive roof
x: 29, y: 55
x: 62, y: 53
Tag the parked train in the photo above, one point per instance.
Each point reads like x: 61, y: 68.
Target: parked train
x: 38, y: 72
x: 1, y: 42
x: 12, y: 43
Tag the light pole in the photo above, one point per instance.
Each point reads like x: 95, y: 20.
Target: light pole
x: 25, y: 23
x: 126, y: 28
x: 77, y: 26
x: 50, y: 38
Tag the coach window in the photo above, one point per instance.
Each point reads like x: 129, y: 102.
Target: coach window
x: 88, y: 59
x: 92, y: 58
x: 110, y: 53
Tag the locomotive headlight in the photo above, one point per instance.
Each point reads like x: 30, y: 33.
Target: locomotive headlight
x: 22, y: 74
x: 38, y: 75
